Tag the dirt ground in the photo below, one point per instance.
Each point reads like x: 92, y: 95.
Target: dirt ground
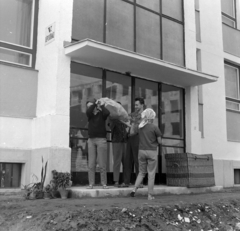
x: 209, y: 211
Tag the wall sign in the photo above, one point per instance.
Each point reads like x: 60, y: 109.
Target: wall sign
x: 50, y: 33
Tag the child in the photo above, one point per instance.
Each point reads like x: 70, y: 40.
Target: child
x: 149, y: 138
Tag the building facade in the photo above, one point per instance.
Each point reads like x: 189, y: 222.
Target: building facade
x: 182, y: 57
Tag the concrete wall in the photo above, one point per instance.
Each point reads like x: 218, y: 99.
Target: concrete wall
x: 42, y: 95
x: 226, y: 154
x: 193, y: 136
x: 51, y: 126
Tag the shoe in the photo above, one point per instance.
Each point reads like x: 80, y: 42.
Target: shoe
x: 105, y: 187
x: 132, y: 194
x: 150, y: 197
x: 123, y: 185
x: 90, y: 187
x: 116, y: 184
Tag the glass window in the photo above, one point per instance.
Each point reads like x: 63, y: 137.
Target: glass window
x: 148, y: 33
x: 119, y: 88
x: 228, y: 21
x: 120, y: 24
x: 232, y: 88
x: 233, y: 105
x: 16, y: 21
x: 199, y: 59
x: 200, y: 117
x: 150, y: 4
x: 232, y: 82
x: 13, y: 56
x: 228, y: 7
x: 197, y: 20
x: 173, y: 42
x: 145, y: 89
x: 10, y: 175
x: 172, y: 8
x: 228, y: 12
x: 233, y: 126
x: 85, y: 83
x: 17, y: 36
x: 88, y: 20
x: 172, y: 112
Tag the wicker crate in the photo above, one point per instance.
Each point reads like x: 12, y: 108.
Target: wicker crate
x: 189, y: 170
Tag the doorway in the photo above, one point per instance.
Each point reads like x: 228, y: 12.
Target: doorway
x: 166, y: 100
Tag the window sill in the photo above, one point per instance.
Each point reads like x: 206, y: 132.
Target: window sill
x: 234, y: 141
x: 18, y: 66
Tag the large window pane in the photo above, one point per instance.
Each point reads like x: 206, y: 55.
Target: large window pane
x: 231, y: 82
x: 15, y: 57
x: 233, y: 126
x: 88, y: 19
x: 148, y: 33
x: 16, y: 21
x: 149, y: 91
x: 118, y: 87
x: 172, y: 8
x: 173, y: 42
x: 228, y: 7
x: 85, y: 83
x: 120, y: 24
x: 150, y: 4
x: 172, y: 111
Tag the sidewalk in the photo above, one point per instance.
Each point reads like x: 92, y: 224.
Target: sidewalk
x: 82, y: 192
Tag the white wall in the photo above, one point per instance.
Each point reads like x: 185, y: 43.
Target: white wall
x: 226, y: 154
x: 193, y: 136
x: 51, y: 126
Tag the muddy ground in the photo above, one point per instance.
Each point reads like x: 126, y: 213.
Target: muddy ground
x: 209, y: 211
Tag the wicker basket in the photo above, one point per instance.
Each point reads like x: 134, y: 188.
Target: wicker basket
x: 190, y: 170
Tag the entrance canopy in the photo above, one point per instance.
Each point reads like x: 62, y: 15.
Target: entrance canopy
x: 114, y: 58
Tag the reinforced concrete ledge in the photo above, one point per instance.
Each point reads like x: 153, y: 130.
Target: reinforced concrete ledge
x: 82, y: 192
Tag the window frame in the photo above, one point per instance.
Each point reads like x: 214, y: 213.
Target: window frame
x: 233, y: 100
x: 159, y: 13
x: 234, y: 19
x: 32, y: 49
x: 238, y: 85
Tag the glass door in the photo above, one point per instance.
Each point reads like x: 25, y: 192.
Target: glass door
x: 90, y: 82
x: 85, y: 83
x: 172, y: 122
x: 118, y: 88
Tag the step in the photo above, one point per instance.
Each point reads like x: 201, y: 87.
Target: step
x: 98, y: 191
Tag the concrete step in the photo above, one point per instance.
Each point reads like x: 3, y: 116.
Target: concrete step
x: 98, y: 191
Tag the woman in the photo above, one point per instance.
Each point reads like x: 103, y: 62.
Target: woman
x: 149, y: 138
